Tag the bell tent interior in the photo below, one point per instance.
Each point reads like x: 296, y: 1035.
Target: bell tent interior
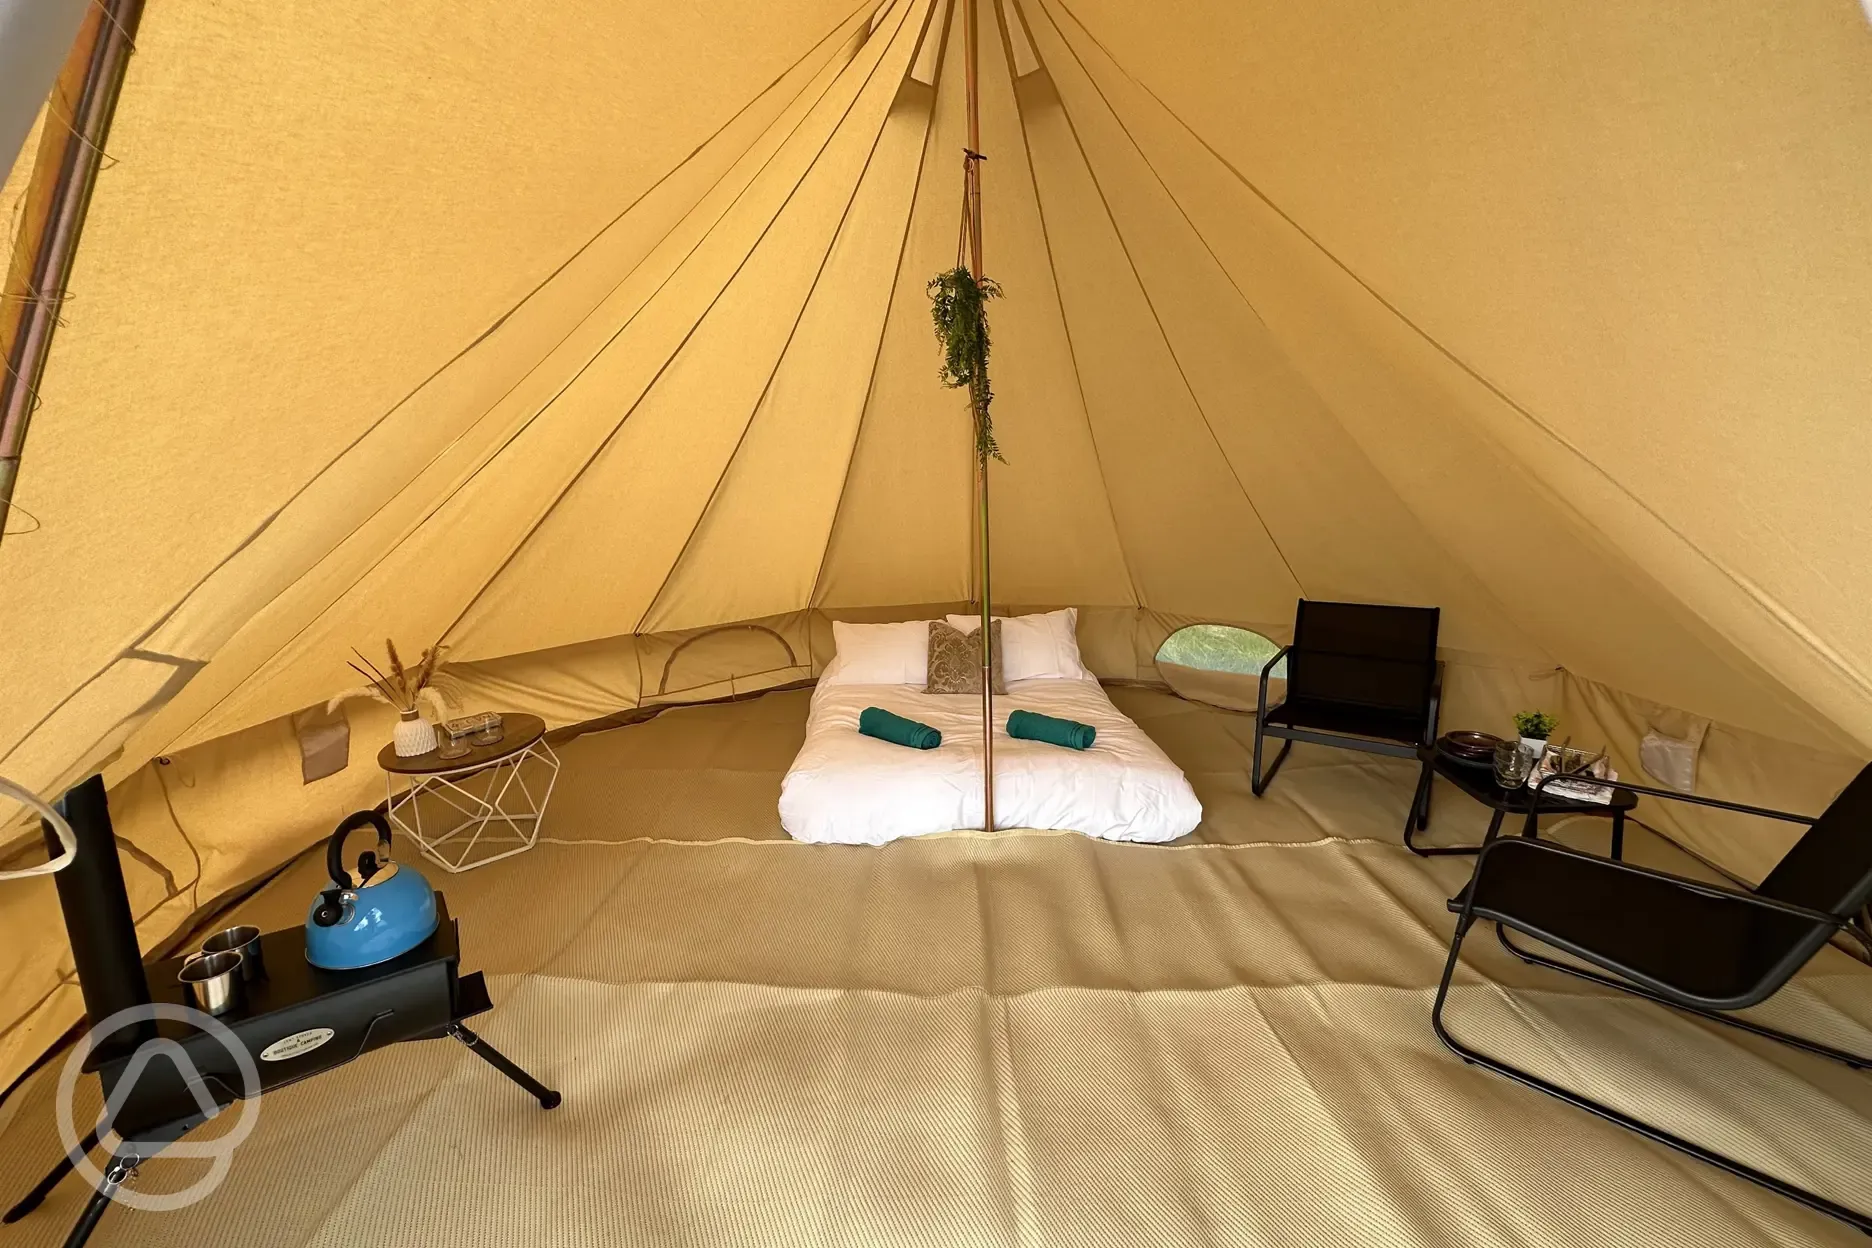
x: 591, y: 343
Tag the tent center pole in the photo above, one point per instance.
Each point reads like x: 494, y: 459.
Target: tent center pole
x: 971, y: 195
x: 987, y: 650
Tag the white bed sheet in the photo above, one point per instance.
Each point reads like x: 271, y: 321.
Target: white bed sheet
x: 846, y: 788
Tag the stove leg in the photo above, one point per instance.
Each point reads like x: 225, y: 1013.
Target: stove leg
x: 121, y: 1166
x: 547, y: 1098
x: 33, y: 1199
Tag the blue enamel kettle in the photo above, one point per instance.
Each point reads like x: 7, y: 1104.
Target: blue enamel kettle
x: 387, y: 911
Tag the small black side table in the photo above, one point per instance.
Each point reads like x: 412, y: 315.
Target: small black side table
x: 1479, y: 782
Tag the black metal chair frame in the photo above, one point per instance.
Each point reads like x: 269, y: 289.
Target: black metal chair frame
x: 1629, y: 980
x: 1258, y: 782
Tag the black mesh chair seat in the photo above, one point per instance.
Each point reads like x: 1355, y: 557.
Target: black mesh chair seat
x: 1349, y: 719
x: 1704, y: 948
x: 1707, y: 948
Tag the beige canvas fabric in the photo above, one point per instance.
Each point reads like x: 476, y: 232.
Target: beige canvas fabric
x: 565, y: 335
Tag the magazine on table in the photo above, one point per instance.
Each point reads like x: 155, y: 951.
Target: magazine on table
x: 1563, y: 760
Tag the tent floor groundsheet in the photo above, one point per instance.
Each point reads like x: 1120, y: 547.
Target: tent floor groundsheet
x: 1026, y: 1039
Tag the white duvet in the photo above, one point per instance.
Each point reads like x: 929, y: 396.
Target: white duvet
x: 849, y: 789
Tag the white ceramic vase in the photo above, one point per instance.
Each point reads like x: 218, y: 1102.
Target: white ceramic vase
x: 1534, y: 747
x: 413, y: 735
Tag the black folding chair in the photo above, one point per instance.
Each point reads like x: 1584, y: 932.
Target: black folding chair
x: 1683, y: 943
x: 1359, y: 677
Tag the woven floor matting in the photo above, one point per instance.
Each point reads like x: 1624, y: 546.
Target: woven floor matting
x: 1029, y: 1039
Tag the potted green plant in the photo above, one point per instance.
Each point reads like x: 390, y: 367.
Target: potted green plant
x: 1534, y: 727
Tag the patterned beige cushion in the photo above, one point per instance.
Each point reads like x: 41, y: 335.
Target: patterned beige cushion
x: 955, y: 660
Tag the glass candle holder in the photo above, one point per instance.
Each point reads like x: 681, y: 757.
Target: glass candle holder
x: 1511, y: 765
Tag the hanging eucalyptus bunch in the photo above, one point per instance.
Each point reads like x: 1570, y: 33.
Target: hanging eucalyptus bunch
x: 959, y: 310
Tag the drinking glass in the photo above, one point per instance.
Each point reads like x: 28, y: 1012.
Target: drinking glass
x: 1511, y: 765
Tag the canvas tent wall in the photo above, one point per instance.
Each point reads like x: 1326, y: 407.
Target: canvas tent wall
x: 566, y: 333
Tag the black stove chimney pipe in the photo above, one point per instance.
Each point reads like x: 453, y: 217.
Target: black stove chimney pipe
x: 98, y: 919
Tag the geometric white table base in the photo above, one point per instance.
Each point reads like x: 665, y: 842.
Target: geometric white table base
x: 493, y: 807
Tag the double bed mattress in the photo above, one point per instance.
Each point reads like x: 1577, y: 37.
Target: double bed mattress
x: 844, y: 788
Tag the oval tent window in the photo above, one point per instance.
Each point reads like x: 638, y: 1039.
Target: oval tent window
x: 1220, y: 664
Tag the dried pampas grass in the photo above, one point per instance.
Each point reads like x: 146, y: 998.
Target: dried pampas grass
x: 404, y: 688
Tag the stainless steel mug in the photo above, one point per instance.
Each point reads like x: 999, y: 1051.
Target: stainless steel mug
x: 244, y: 941
x: 213, y: 981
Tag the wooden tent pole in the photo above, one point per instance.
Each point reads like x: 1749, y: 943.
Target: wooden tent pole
x: 55, y: 208
x: 972, y: 205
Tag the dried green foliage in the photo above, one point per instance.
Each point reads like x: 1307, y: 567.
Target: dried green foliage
x: 958, y: 307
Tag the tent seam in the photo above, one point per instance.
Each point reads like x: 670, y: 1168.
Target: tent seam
x: 495, y: 454
x: 1144, y: 290
x: 1762, y: 601
x: 903, y: 251
x: 349, y: 447
x: 1072, y: 350
x: 780, y: 360
x: 503, y: 319
x: 605, y: 444
x: 1462, y: 567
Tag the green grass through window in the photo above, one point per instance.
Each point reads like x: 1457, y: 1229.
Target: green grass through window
x: 1220, y: 648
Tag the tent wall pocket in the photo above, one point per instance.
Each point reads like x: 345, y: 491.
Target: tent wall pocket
x: 324, y: 742
x: 1668, y: 751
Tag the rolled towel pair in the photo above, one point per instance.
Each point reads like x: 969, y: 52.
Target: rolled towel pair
x: 1067, y: 732
x: 877, y: 722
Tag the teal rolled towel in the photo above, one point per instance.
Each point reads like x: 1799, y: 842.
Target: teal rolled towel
x: 877, y: 722
x: 1067, y: 732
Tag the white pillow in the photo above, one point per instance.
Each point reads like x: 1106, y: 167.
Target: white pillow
x: 1044, y: 646
x: 879, y: 654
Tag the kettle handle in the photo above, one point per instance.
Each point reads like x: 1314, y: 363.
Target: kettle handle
x: 334, y: 848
